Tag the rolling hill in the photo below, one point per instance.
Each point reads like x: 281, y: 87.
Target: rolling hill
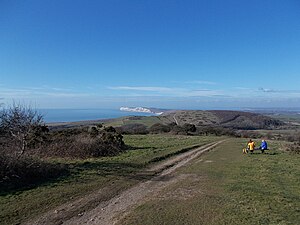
x: 218, y: 118
x: 223, y: 118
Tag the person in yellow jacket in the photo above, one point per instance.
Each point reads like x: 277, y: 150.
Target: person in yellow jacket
x: 251, y: 146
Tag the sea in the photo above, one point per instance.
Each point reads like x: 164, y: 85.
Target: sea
x: 72, y: 115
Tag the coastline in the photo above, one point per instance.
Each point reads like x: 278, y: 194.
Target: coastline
x: 66, y: 116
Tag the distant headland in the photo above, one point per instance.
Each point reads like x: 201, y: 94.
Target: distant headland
x: 143, y: 110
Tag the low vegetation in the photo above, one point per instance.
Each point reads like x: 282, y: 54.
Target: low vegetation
x: 173, y: 128
x: 293, y: 148
x: 19, y: 172
x: 85, y: 176
x: 82, y: 143
x: 222, y: 118
x: 20, y: 127
x: 26, y: 143
x: 133, y: 128
x: 67, y: 163
x: 227, y: 187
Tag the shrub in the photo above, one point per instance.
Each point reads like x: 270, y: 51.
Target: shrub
x: 18, y: 171
x: 293, y: 138
x: 172, y: 124
x: 83, y: 145
x: 178, y: 130
x: 219, y: 131
x: 189, y: 127
x: 205, y: 130
x: 294, y: 148
x: 135, y: 128
x: 21, y: 125
x: 158, y: 128
x: 109, y: 129
x: 93, y: 131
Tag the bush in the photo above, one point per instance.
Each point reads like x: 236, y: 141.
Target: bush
x: 21, y: 126
x: 16, y: 171
x: 219, y: 131
x: 189, y: 127
x: 178, y: 130
x: 293, y: 138
x: 135, y: 128
x: 109, y: 129
x: 158, y: 128
x: 294, y: 148
x: 93, y: 131
x: 83, y: 144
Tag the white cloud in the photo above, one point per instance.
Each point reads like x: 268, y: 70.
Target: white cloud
x: 63, y: 94
x: 167, y: 91
x: 267, y: 90
x: 36, y: 92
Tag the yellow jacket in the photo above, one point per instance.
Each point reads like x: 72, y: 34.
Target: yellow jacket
x: 251, y: 145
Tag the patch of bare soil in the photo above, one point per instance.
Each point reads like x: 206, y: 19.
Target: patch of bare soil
x: 110, y: 211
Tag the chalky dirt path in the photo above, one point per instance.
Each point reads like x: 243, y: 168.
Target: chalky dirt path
x: 111, y: 211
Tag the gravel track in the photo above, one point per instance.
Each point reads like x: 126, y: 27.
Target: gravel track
x: 111, y: 211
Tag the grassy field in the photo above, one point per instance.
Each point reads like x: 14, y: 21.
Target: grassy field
x: 227, y: 187
x: 112, y: 174
x: 146, y: 120
x: 201, y: 117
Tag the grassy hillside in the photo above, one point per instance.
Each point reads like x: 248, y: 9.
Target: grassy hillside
x: 197, y: 117
x: 227, y: 187
x: 112, y: 174
x: 145, y: 120
x: 222, y: 187
x: 229, y: 119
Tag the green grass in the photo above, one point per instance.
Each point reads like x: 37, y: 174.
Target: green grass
x: 227, y: 187
x: 151, y: 147
x: 191, y: 116
x: 146, y: 120
x: 86, y: 176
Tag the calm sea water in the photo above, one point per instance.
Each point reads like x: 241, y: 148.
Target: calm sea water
x: 70, y: 115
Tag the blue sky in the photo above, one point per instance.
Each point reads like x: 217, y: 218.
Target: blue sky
x: 155, y: 53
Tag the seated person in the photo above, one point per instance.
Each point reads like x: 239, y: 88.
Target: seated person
x: 263, y: 146
x: 251, y: 146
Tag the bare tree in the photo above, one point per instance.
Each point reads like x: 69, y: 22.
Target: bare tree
x: 19, y: 122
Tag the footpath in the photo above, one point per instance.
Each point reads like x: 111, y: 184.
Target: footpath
x: 111, y: 211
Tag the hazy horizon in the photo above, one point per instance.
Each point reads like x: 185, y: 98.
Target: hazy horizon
x: 72, y: 115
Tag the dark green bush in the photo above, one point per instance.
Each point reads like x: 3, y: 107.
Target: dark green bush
x: 93, y: 131
x: 158, y: 128
x: 135, y: 128
x: 189, y: 127
x: 178, y: 130
x: 294, y: 148
x: 84, y: 145
x: 19, y: 171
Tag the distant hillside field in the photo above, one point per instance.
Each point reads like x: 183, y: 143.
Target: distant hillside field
x: 229, y: 119
x: 221, y: 118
